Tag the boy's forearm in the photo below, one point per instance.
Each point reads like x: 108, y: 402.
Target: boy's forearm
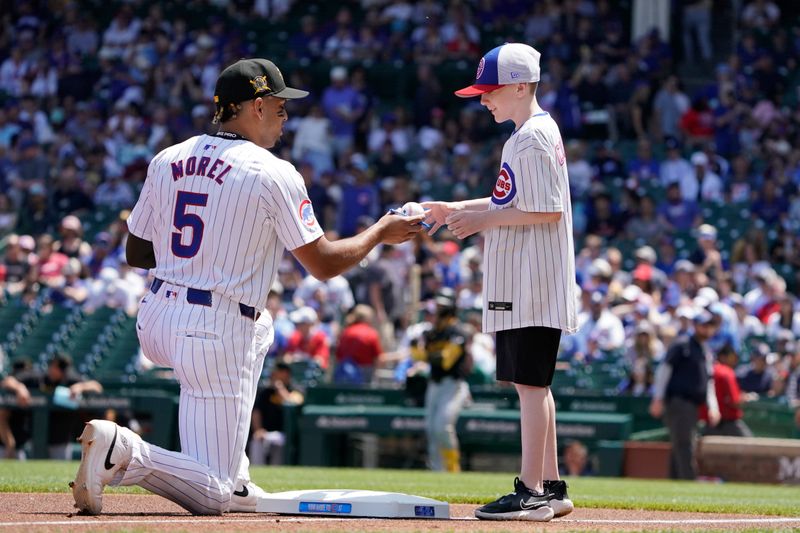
x: 477, y: 204
x: 515, y: 217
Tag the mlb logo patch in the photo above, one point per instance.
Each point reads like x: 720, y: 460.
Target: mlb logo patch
x: 170, y: 295
x: 306, y: 212
x: 505, y: 188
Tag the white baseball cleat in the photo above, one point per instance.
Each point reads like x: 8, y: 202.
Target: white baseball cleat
x: 245, y: 499
x: 105, y: 448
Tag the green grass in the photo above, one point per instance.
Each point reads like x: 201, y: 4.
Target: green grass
x: 467, y: 487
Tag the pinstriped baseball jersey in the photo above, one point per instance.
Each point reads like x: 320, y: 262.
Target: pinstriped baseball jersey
x: 529, y: 271
x: 219, y: 212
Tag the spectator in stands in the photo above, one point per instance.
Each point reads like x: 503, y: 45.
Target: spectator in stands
x: 761, y: 15
x: 669, y: 106
x: 68, y: 196
x: 102, y: 254
x: 50, y: 262
x: 8, y: 215
x: 66, y: 387
x: 697, y: 25
x: 71, y: 243
x: 745, y: 325
x: 603, y: 218
x: 683, y: 383
x: 308, y: 43
x: 786, y: 319
x: 343, y: 106
x: 729, y: 397
x: 359, y: 197
x: 675, y: 169
x: 706, y: 257
x: 600, y: 332
x: 11, y: 384
x: 114, y: 193
x: 756, y: 377
x: 35, y: 216
x: 677, y: 213
x: 575, y: 460
x: 709, y: 185
x: 770, y: 206
x: 645, y: 224
x: 308, y: 342
x: 73, y: 291
x: 16, y: 271
x: 697, y: 123
x: 312, y: 141
x: 268, y: 424
x: 359, y: 347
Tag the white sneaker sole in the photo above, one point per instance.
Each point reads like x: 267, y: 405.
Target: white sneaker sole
x: 562, y: 507
x: 92, y: 476
x: 542, y: 514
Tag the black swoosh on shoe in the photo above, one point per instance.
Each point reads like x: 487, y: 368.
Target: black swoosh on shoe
x: 242, y: 493
x: 108, y: 464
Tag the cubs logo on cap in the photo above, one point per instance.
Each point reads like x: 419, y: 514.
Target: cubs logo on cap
x: 306, y: 211
x: 505, y: 188
x: 504, y: 65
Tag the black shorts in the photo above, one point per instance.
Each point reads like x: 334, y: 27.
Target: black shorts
x: 527, y: 356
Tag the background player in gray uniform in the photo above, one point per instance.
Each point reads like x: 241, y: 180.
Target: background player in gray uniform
x: 529, y: 269
x: 212, y: 221
x: 444, y: 347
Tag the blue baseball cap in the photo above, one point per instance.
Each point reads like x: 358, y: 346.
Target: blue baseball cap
x: 504, y: 65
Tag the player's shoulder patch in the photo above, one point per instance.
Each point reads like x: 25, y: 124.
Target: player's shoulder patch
x: 505, y: 188
x: 306, y: 213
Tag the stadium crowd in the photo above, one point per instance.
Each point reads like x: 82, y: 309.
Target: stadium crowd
x: 684, y: 185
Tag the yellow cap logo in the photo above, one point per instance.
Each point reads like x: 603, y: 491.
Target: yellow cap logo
x: 260, y: 84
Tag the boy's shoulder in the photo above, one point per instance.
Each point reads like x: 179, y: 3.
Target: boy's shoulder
x: 539, y: 133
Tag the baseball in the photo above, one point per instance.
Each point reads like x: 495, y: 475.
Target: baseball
x: 413, y: 208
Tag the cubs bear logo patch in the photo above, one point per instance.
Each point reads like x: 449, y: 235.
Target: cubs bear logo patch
x: 505, y: 188
x: 306, y: 212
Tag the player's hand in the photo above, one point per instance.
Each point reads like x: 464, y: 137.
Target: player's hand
x: 713, y: 417
x: 465, y: 223
x: 398, y: 229
x: 656, y: 408
x: 436, y: 213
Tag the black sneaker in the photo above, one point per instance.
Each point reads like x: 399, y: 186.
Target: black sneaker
x: 559, y: 500
x: 522, y: 504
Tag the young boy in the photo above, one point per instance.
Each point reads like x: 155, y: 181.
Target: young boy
x: 529, y: 269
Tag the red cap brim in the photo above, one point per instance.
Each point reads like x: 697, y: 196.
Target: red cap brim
x: 476, y: 90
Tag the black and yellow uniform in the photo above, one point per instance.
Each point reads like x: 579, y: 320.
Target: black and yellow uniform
x: 445, y: 348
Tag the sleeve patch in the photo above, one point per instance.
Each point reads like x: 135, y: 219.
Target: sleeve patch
x: 505, y: 188
x: 306, y: 212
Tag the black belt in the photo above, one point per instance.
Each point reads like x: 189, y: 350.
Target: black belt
x: 201, y: 297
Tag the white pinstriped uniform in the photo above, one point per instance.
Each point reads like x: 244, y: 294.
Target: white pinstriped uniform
x: 529, y: 271
x: 222, y: 231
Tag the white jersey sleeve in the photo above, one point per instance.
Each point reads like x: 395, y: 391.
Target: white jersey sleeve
x: 289, y: 206
x: 541, y: 187
x: 140, y: 220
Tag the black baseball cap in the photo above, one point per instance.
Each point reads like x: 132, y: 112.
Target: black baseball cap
x: 250, y: 78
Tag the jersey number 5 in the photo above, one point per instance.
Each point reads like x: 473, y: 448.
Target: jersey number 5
x: 182, y: 220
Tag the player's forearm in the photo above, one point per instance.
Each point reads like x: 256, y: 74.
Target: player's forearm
x: 339, y: 256
x: 515, y: 217
x: 661, y: 380
x: 478, y: 204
